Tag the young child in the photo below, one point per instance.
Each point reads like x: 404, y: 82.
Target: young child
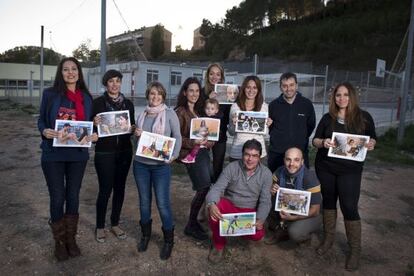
x: 212, y: 111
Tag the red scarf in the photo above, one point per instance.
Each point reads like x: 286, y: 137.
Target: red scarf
x: 77, y: 98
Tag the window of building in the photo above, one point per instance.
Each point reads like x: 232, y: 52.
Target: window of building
x: 176, y: 78
x: 152, y: 75
x: 199, y: 76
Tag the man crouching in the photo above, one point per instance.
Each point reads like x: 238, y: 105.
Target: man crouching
x: 245, y: 186
x: 294, y: 175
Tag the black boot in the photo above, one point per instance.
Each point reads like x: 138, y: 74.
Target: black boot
x: 59, y: 234
x: 71, y: 223
x: 145, y: 236
x: 168, y: 244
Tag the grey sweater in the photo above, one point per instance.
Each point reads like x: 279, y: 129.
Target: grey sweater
x: 172, y: 129
x: 245, y: 192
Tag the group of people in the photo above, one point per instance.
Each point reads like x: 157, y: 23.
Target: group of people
x: 244, y: 185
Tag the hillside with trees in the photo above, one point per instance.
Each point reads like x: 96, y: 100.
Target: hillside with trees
x: 344, y: 33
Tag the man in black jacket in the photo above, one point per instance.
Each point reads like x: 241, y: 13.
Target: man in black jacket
x: 293, y: 119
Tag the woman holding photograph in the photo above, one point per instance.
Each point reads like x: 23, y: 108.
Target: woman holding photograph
x: 156, y: 118
x: 64, y: 167
x: 113, y: 156
x: 250, y: 99
x: 341, y: 178
x: 215, y: 75
x: 189, y: 106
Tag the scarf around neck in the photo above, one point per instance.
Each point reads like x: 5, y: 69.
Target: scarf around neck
x: 77, y: 98
x: 159, y: 124
x: 114, y: 104
x: 298, y: 176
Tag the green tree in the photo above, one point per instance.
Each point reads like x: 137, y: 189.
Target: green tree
x: 30, y: 54
x: 157, y: 41
x: 85, y: 55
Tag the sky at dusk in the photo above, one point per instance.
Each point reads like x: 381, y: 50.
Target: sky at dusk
x: 69, y: 23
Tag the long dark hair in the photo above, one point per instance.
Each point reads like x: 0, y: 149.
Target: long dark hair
x: 182, y: 99
x: 354, y: 120
x: 258, y: 101
x: 60, y: 84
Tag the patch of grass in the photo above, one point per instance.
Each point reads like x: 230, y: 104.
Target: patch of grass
x: 387, y: 149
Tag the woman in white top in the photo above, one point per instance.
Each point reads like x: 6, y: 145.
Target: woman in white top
x: 250, y: 99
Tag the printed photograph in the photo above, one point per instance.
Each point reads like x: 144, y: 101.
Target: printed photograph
x: 293, y: 201
x: 226, y: 93
x: 114, y: 123
x: 205, y: 128
x: 238, y: 224
x: 251, y: 122
x: 73, y: 133
x: 155, y: 146
x: 349, y: 146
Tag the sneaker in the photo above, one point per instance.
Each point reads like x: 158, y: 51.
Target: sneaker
x: 188, y: 159
x: 196, y: 233
x: 281, y: 234
x: 100, y: 235
x: 215, y: 256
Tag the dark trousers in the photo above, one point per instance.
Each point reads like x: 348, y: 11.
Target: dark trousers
x: 112, y: 170
x: 200, y: 172
x: 219, y: 152
x: 64, y: 180
x: 346, y: 187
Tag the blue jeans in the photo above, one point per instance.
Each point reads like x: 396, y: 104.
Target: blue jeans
x: 64, y: 181
x: 157, y: 176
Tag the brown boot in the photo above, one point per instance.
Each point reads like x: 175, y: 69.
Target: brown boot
x: 71, y: 223
x: 59, y: 234
x: 353, y: 233
x: 329, y: 225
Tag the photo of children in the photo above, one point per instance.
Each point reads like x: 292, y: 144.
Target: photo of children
x: 114, y: 123
x: 251, y: 122
x: 293, y: 201
x: 226, y: 93
x: 73, y: 133
x: 349, y: 146
x: 205, y: 128
x: 155, y: 146
x: 238, y: 224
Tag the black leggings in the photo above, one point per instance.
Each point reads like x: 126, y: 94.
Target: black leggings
x: 196, y: 204
x: 345, y: 186
x: 219, y: 152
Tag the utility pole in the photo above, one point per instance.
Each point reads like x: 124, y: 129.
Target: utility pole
x: 406, y: 77
x: 103, y: 37
x: 41, y: 62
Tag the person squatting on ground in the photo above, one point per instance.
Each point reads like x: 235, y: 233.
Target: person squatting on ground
x: 64, y: 167
x: 113, y: 156
x: 153, y: 174
x: 211, y: 110
x: 293, y: 122
x: 215, y: 75
x: 250, y: 99
x: 189, y: 106
x: 341, y: 178
x: 245, y: 185
x: 295, y: 175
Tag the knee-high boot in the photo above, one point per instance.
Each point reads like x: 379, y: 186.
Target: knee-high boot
x: 146, y: 229
x: 353, y: 234
x: 168, y: 244
x: 59, y: 235
x: 329, y: 227
x: 71, y: 222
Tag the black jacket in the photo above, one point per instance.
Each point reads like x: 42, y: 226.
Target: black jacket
x: 292, y: 123
x: 113, y: 143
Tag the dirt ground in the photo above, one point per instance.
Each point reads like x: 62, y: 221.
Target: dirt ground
x: 386, y: 206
